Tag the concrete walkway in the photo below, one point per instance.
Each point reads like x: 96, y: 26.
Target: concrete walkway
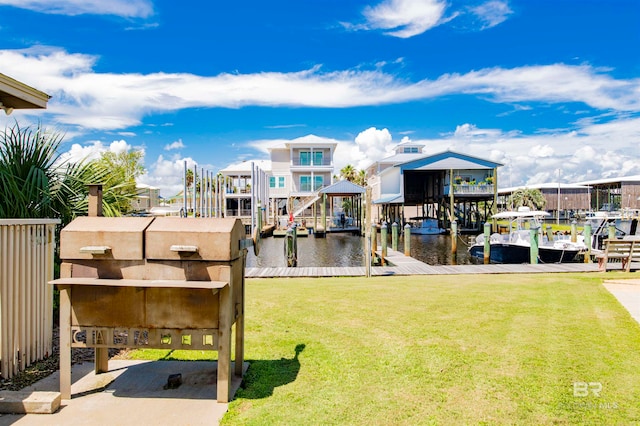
x: 132, y: 393
x: 627, y: 291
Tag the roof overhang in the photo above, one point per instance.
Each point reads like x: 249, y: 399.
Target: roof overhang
x: 390, y: 199
x: 17, y: 95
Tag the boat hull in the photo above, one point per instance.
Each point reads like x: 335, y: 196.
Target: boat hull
x: 512, y: 253
x: 427, y: 231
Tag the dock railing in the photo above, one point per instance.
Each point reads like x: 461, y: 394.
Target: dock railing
x: 26, y: 301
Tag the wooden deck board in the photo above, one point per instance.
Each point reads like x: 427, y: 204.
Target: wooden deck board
x: 404, y: 265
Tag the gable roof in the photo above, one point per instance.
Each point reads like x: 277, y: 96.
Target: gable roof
x: 342, y: 187
x: 448, y: 160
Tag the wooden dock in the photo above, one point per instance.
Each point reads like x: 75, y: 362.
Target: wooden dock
x: 405, y: 265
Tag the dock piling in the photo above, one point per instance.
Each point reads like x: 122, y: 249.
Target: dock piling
x: 533, y: 251
x: 487, y: 243
x: 587, y: 241
x: 407, y: 240
x: 291, y: 246
x: 454, y: 242
x: 383, y: 241
x: 394, y: 236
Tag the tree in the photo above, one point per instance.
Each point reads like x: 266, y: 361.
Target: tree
x: 527, y: 197
x: 348, y: 172
x: 346, y: 205
x: 119, y: 184
x: 361, y: 178
x: 189, y: 178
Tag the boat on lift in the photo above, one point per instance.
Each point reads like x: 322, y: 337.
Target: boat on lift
x: 421, y: 225
x: 515, y: 245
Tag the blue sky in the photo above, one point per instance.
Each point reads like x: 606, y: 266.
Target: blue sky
x: 539, y: 86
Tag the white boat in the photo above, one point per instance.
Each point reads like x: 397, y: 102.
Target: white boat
x: 625, y: 223
x: 425, y: 226
x: 515, y: 246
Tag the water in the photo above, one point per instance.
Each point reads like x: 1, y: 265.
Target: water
x: 347, y: 250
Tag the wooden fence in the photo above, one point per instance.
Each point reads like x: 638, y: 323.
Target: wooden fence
x: 26, y: 300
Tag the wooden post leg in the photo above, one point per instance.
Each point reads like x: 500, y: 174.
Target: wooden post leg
x: 65, y: 342
x: 224, y: 344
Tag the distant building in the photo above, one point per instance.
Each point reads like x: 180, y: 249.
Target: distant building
x: 615, y: 193
x: 565, y: 200
x: 146, y: 198
x: 561, y: 199
x: 240, y: 180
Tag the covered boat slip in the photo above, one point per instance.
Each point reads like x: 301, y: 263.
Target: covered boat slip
x: 447, y: 186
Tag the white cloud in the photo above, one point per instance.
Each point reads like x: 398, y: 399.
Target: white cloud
x: 592, y: 151
x: 409, y: 18
x: 92, y: 150
x: 541, y: 151
x: 123, y: 8
x: 118, y: 147
x: 470, y: 131
x: 174, y: 145
x: 167, y: 173
x: 372, y: 145
x: 105, y: 101
x: 405, y: 18
x: 492, y: 13
x: 88, y: 152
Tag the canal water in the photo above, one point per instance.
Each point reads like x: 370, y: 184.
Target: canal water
x: 347, y: 250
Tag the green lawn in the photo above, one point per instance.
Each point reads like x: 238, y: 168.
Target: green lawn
x: 481, y: 349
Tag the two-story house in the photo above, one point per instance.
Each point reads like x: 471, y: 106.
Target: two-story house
x: 299, y: 169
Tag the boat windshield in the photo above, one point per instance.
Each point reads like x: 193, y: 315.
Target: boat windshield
x: 523, y: 218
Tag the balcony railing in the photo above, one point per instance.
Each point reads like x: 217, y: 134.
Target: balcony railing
x: 238, y: 212
x: 297, y: 161
x: 308, y: 188
x: 469, y: 189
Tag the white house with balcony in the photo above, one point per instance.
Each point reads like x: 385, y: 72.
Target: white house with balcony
x: 299, y: 169
x: 295, y: 173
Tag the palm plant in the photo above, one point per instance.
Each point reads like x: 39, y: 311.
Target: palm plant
x: 528, y: 197
x: 27, y: 171
x: 348, y: 172
x: 35, y: 183
x: 361, y: 178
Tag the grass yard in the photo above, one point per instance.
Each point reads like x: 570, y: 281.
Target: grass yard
x: 481, y: 349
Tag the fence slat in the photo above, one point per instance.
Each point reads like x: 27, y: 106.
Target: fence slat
x: 26, y: 299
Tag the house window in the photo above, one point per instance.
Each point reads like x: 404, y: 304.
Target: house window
x: 317, y: 158
x: 411, y: 150
x: 276, y: 182
x: 305, y: 158
x: 305, y: 183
